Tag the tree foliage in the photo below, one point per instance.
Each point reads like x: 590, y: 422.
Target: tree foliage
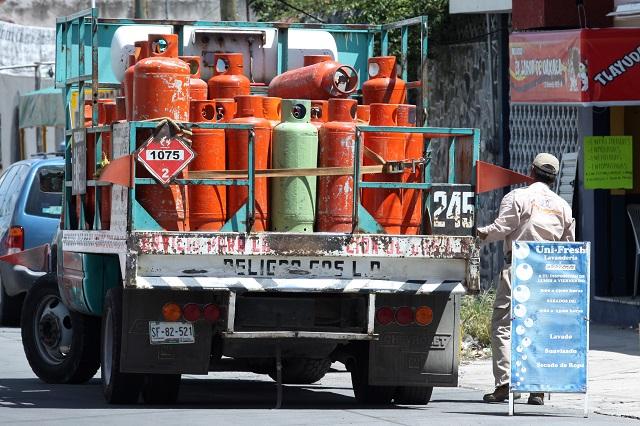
x: 351, y: 11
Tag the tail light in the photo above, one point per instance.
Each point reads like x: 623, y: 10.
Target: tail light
x: 212, y: 313
x: 424, y: 315
x: 404, y: 315
x: 384, y: 315
x: 15, y: 239
x: 191, y: 312
x: 171, y: 312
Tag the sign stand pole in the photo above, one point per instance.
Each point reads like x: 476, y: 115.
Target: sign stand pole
x: 510, y: 403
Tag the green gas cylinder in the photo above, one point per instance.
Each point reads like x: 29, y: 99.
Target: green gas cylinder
x: 294, y: 146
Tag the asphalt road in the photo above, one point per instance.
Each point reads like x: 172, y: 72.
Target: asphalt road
x: 245, y: 398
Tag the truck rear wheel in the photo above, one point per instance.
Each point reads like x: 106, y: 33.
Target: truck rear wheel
x: 303, y: 371
x: 364, y: 392
x: 413, y: 395
x: 62, y: 346
x: 118, y: 387
x: 161, y: 388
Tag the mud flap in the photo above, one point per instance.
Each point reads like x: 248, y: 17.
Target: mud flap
x: 414, y: 355
x: 140, y: 356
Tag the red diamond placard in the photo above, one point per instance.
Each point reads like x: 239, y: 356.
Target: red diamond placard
x: 165, y: 157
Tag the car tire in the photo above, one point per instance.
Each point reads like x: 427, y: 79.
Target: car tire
x: 161, y: 388
x: 118, y: 387
x: 302, y: 371
x: 413, y: 395
x: 10, y: 307
x: 364, y: 392
x: 61, y: 346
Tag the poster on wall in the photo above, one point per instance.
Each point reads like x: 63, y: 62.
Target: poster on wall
x: 580, y: 67
x: 549, y: 317
x: 608, y: 162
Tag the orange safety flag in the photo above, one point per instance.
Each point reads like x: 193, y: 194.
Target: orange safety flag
x: 490, y: 177
x: 117, y: 171
x: 35, y: 259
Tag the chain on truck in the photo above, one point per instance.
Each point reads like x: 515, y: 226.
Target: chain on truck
x: 148, y: 281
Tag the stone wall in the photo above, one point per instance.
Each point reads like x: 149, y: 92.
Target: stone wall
x: 463, y: 92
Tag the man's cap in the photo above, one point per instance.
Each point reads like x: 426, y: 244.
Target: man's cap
x: 547, y: 163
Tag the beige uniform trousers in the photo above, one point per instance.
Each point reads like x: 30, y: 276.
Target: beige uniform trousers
x: 501, y: 329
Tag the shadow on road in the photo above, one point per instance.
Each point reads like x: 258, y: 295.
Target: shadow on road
x: 194, y: 393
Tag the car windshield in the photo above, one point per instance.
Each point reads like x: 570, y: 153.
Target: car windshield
x: 45, y: 195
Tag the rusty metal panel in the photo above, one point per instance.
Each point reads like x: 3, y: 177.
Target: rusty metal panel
x: 290, y: 244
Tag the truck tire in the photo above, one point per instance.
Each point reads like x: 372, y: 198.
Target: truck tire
x: 9, y: 308
x: 413, y: 395
x: 302, y: 371
x: 161, y: 388
x: 118, y: 387
x: 364, y: 392
x: 62, y: 346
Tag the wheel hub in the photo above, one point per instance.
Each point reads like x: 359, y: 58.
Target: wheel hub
x: 50, y: 330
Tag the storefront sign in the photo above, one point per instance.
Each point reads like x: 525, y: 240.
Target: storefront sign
x: 608, y: 162
x: 586, y: 67
x: 549, y: 310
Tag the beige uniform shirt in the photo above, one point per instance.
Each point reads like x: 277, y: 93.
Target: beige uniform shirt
x: 534, y: 213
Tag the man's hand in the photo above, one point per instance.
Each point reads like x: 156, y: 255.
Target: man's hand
x: 482, y: 234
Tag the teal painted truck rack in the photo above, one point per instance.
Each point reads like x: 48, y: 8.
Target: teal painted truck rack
x: 83, y: 42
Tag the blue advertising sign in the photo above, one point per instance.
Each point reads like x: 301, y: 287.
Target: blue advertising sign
x: 549, y: 316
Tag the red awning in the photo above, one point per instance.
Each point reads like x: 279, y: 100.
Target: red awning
x: 580, y: 67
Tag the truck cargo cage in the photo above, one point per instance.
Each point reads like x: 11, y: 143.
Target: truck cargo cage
x: 83, y: 61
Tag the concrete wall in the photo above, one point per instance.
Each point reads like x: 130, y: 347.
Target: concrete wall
x: 464, y: 92
x: 44, y: 13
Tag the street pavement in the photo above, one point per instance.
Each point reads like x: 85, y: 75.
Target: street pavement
x: 245, y: 398
x: 613, y: 374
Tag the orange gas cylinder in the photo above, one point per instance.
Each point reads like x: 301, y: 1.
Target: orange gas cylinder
x: 411, y: 198
x: 121, y: 108
x: 161, y: 82
x: 225, y: 109
x: 337, y: 142
x: 385, y: 205
x: 271, y: 109
x: 207, y: 204
x: 324, y: 80
x: 362, y: 114
x: 249, y: 111
x: 383, y: 85
x: 314, y: 59
x: 127, y: 87
x: 197, y: 87
x: 319, y: 112
x: 141, y: 51
x: 228, y: 79
x: 161, y: 89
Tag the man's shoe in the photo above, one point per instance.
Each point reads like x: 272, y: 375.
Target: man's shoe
x: 500, y: 394
x: 536, y: 399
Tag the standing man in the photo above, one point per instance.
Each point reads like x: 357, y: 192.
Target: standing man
x: 534, y: 213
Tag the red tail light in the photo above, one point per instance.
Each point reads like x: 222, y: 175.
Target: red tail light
x: 191, y: 312
x: 404, y: 315
x: 211, y: 313
x: 384, y: 315
x: 15, y: 239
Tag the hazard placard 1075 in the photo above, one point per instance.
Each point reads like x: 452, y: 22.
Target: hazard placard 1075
x: 164, y: 154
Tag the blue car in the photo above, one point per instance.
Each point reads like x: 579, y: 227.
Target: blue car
x: 30, y: 206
